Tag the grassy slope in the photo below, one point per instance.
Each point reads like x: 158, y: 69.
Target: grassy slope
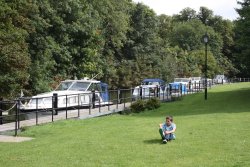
x: 209, y: 133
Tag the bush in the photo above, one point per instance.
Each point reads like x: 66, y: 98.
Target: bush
x: 138, y: 106
x: 153, y: 103
x: 141, y: 105
x: 23, y: 128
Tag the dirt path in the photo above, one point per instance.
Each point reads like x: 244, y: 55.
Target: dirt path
x: 11, y: 139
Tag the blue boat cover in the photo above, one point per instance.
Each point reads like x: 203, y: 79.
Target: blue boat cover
x: 104, y: 93
x: 176, y: 85
x: 153, y: 80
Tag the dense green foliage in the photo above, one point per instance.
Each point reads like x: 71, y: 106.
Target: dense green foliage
x: 14, y: 54
x: 153, y: 103
x: 242, y: 38
x: 138, y: 106
x: 43, y: 42
x: 212, y: 133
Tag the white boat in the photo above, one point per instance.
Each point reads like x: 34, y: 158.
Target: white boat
x: 196, y: 79
x: 71, y: 93
x: 184, y: 81
x: 220, y: 79
x: 148, y: 88
x: 196, y: 82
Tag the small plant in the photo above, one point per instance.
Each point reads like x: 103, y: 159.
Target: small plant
x: 138, y: 106
x: 23, y: 128
x: 153, y: 103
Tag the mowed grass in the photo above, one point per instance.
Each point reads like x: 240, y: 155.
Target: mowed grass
x: 212, y: 133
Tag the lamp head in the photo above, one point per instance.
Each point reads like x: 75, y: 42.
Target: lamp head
x: 205, y: 38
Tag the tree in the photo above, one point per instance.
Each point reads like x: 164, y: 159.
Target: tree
x: 187, y: 35
x: 14, y: 56
x: 205, y: 15
x: 165, y: 27
x: 143, y: 43
x: 65, y: 43
x: 186, y: 14
x: 44, y: 42
x: 196, y: 64
x: 226, y: 29
x: 114, y: 27
x: 168, y: 56
x: 242, y: 39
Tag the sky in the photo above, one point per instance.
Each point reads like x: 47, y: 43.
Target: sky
x: 224, y: 8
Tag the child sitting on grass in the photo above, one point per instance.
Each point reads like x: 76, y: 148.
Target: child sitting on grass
x: 167, y: 130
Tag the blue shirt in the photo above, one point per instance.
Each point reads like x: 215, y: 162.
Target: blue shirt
x: 165, y: 127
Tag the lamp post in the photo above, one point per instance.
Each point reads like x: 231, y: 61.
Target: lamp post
x: 205, y: 39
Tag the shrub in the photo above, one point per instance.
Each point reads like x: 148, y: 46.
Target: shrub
x: 23, y: 128
x: 153, y: 103
x: 138, y: 106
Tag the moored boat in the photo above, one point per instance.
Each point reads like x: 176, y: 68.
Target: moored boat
x: 70, y: 93
x: 149, y: 88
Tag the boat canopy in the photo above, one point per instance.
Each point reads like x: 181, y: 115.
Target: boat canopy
x: 153, y: 81
x: 73, y: 85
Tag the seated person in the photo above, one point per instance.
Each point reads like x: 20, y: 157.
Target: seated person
x: 167, y: 130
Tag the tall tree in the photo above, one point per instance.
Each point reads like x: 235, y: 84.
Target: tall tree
x: 205, y: 15
x: 14, y: 56
x: 65, y: 43
x: 186, y: 14
x: 242, y: 55
x: 114, y: 27
x: 167, y: 63
x: 143, y: 43
x: 226, y: 29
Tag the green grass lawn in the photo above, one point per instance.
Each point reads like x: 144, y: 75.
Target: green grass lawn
x: 212, y: 133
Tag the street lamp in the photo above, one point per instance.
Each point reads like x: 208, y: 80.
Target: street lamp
x: 205, y: 39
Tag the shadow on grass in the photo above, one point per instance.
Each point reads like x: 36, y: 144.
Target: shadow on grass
x: 153, y: 141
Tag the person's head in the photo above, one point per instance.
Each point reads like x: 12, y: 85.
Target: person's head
x: 169, y: 120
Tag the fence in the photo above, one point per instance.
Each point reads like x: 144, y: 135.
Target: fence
x: 13, y: 116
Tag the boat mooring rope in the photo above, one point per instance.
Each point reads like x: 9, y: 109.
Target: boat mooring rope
x: 9, y: 108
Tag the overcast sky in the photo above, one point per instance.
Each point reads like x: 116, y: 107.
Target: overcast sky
x: 224, y: 8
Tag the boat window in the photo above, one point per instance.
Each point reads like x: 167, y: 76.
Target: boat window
x: 150, y: 83
x: 95, y: 86
x: 64, y: 86
x: 91, y: 87
x: 80, y: 86
x: 146, y: 83
x: 181, y: 80
x: 47, y: 100
x: 177, y: 80
x: 33, y: 101
x: 98, y: 87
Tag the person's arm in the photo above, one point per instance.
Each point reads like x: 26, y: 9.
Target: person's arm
x: 171, y: 131
x: 160, y: 125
